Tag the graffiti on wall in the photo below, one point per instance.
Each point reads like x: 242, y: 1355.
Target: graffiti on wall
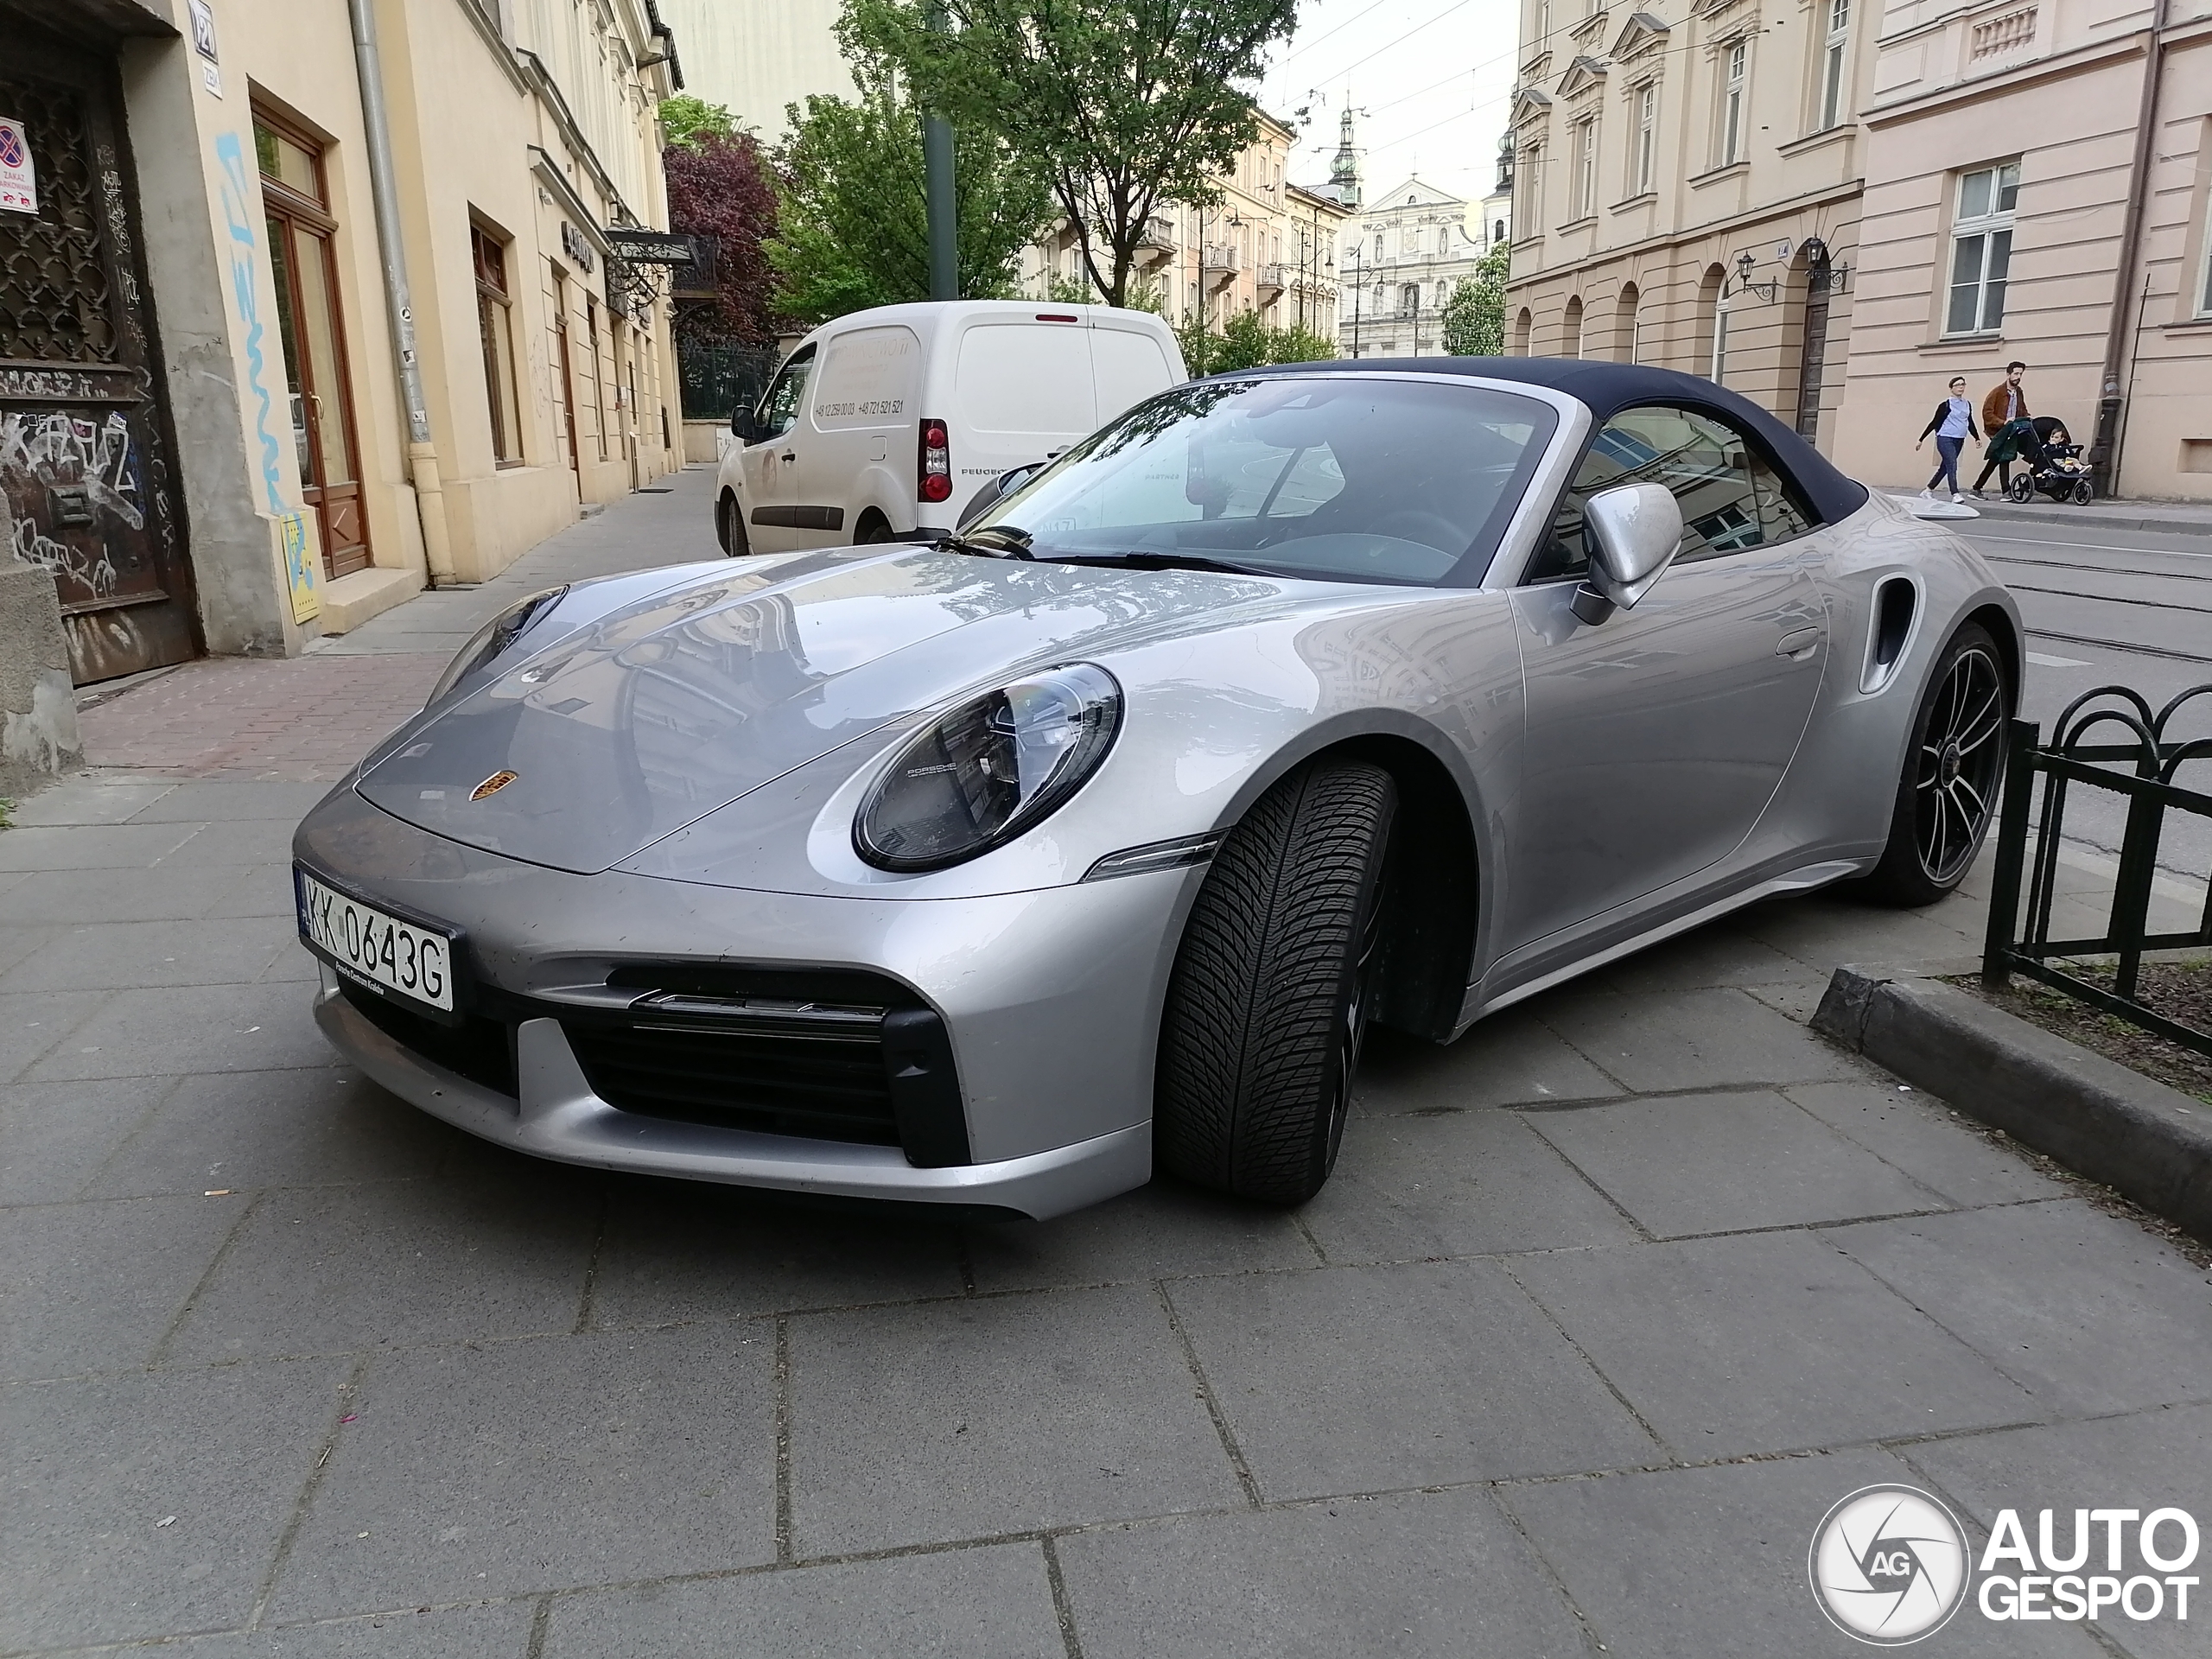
x: 244, y: 253
x: 76, y: 467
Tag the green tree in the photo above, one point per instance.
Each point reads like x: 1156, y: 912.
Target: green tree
x: 687, y: 119
x: 1474, y: 317
x: 852, y: 229
x: 1126, y: 105
x: 1245, y: 342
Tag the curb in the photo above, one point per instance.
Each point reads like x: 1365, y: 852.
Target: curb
x: 2151, y: 1143
x: 1999, y: 513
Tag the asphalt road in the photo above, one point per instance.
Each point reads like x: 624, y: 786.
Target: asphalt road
x: 2113, y: 608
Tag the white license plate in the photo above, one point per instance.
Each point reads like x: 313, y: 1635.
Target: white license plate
x: 414, y: 961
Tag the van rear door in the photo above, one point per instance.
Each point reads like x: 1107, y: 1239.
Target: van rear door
x: 1127, y: 366
x: 1021, y: 389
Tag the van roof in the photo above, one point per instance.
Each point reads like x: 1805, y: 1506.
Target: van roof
x: 926, y: 316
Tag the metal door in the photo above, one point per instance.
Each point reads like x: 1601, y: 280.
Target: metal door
x: 85, y: 489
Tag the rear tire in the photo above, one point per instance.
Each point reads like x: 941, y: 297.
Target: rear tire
x: 1955, y: 766
x: 2021, y: 489
x: 1274, y: 987
x: 2084, y: 492
x: 873, y: 531
x: 729, y: 527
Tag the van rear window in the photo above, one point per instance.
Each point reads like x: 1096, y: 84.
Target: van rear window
x: 1025, y: 377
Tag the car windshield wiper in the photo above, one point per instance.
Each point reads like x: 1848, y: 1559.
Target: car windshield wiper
x: 1140, y: 559
x: 992, y: 542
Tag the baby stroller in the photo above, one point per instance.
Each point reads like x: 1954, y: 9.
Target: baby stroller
x: 2053, y: 466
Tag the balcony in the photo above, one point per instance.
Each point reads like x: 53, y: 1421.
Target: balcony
x: 1274, y: 278
x: 1219, y: 263
x: 1155, y: 241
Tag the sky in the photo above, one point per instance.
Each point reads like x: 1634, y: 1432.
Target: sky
x: 1436, y: 78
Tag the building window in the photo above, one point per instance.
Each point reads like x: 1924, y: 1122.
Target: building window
x: 1736, y: 69
x: 1981, y: 248
x: 1586, y: 166
x: 1530, y: 185
x: 1836, y: 54
x: 1719, y: 375
x: 1643, y: 164
x: 495, y: 324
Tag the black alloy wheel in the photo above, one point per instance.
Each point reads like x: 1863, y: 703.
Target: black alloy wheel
x: 2084, y: 492
x: 1276, y: 986
x: 1948, y: 796
x: 2021, y: 489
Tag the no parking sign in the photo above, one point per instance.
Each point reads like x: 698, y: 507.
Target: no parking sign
x: 18, y: 180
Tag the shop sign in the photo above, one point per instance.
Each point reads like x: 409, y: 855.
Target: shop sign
x: 300, y: 567
x: 578, y: 249
x: 18, y: 177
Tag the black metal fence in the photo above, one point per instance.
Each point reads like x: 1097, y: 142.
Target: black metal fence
x: 2023, y: 945
x: 721, y: 376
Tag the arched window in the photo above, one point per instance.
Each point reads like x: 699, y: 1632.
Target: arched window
x: 1707, y: 344
x: 1571, y: 336
x: 1628, y: 314
x: 1524, y: 326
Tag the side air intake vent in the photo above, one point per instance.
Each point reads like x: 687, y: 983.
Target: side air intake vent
x: 1897, y: 607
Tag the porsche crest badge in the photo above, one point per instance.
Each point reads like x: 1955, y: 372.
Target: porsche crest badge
x: 492, y: 785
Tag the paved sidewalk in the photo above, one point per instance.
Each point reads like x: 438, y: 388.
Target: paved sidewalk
x: 2162, y: 517
x: 1606, y: 1307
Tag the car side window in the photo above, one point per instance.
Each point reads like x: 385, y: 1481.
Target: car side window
x: 780, y: 408
x: 1731, y: 496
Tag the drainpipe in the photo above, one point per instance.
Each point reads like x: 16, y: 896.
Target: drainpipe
x: 421, y: 453
x: 2104, y: 453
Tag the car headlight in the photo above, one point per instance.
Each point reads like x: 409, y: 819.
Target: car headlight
x: 493, y: 639
x: 989, y: 769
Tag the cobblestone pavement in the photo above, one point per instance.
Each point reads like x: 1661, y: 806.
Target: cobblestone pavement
x: 1606, y: 1307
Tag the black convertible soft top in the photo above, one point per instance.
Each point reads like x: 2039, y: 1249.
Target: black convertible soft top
x: 1608, y: 388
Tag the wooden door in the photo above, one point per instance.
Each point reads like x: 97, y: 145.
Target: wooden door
x: 86, y: 485
x: 310, y: 323
x: 1812, y: 358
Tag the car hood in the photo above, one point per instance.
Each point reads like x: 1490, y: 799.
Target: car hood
x: 654, y: 715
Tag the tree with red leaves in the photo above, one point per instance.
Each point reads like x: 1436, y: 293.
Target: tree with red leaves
x: 719, y: 186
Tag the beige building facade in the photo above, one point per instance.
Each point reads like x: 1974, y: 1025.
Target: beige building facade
x: 2039, y: 182
x: 1267, y: 246
x: 220, y: 429
x: 757, y: 57
x: 1685, y: 191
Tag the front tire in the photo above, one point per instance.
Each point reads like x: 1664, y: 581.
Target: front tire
x: 1947, y: 796
x: 1274, y: 987
x: 2021, y: 489
x: 2084, y: 492
x: 729, y: 527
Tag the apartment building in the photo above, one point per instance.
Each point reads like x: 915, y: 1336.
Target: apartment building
x: 2038, y: 187
x: 1687, y: 182
x: 759, y: 57
x: 1268, y: 246
x: 307, y: 303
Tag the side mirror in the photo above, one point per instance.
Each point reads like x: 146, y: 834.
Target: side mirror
x: 1633, y: 532
x: 997, y: 490
x: 746, y: 428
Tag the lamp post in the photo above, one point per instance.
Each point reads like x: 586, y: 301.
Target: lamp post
x: 1351, y: 258
x: 940, y: 203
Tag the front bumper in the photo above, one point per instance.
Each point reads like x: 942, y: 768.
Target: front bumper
x: 1050, y: 1000
x: 558, y: 1117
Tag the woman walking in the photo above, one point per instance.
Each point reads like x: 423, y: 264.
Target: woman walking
x: 1953, y: 424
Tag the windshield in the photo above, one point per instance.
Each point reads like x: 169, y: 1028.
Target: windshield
x: 1343, y: 478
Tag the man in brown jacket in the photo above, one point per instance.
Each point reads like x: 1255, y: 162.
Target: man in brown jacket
x: 2006, y: 403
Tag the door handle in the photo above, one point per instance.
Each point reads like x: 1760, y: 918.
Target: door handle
x: 788, y: 455
x: 1798, y: 644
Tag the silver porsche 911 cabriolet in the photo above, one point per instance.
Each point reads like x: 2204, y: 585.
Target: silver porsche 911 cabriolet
x: 1002, y: 870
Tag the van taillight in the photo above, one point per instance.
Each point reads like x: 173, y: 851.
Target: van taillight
x: 934, y: 474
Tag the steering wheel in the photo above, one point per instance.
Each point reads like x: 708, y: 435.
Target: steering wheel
x: 1413, y: 524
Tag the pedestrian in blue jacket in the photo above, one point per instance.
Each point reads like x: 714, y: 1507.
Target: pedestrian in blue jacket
x: 1953, y: 424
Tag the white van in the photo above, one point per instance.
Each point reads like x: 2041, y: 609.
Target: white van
x: 884, y: 424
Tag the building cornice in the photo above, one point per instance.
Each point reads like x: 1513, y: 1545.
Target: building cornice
x: 487, y: 27
x: 1812, y: 199
x: 2059, y: 66
x: 541, y: 81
